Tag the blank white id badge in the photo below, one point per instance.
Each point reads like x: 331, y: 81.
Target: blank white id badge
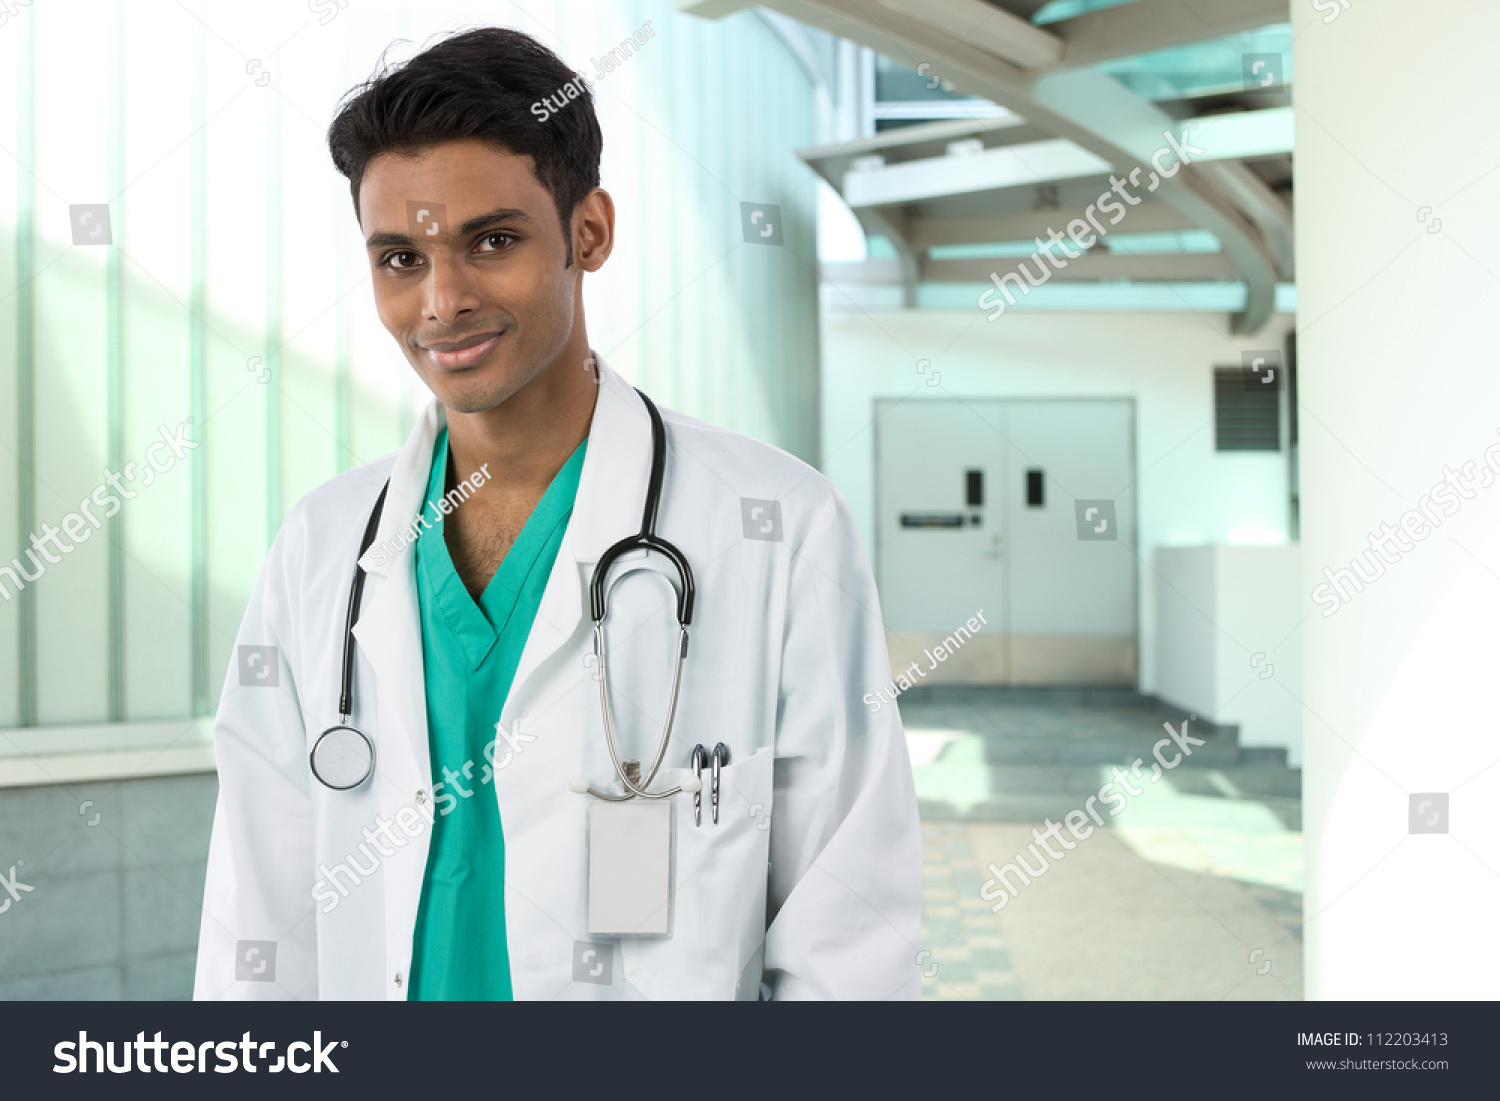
x: 630, y: 868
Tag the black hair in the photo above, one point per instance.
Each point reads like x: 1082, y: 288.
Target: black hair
x: 480, y: 83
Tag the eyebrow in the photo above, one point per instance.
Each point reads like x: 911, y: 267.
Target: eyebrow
x: 473, y: 225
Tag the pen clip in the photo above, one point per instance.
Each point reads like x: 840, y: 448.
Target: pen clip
x: 721, y: 759
x: 700, y: 759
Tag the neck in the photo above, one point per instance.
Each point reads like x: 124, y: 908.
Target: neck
x: 527, y: 437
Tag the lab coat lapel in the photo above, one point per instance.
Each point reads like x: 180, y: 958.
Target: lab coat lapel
x: 607, y: 507
x: 389, y: 629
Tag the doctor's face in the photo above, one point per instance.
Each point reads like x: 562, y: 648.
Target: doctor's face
x: 467, y: 257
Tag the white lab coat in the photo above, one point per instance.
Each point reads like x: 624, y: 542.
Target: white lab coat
x: 811, y: 880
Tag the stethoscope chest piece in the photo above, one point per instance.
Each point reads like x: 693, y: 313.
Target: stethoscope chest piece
x: 342, y: 758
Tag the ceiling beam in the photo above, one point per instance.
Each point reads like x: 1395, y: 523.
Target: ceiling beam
x: 1085, y: 107
x: 992, y: 170
x: 926, y: 139
x: 1149, y: 25
x: 907, y: 177
x: 1092, y: 267
x: 1090, y: 39
x: 713, y: 9
x: 1266, y: 209
x: 991, y: 28
x: 1027, y: 225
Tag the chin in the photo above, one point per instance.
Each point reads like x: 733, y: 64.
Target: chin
x: 468, y: 399
x: 472, y: 395
x: 470, y: 405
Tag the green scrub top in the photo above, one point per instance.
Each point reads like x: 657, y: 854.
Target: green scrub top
x: 470, y: 652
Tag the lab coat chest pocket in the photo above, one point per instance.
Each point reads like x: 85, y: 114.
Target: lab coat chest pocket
x: 721, y: 868
x: 744, y: 799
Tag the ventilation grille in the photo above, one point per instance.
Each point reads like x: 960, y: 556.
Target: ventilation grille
x: 1244, y: 419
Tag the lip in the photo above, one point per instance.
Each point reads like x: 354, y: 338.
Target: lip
x: 455, y: 355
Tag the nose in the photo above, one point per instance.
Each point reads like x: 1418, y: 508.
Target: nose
x: 452, y: 290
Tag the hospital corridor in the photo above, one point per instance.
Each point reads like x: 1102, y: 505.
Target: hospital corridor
x: 699, y: 500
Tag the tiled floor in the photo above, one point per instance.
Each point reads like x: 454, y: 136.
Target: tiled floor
x: 1194, y: 890
x: 969, y: 960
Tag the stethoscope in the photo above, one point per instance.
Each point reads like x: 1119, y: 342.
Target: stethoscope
x: 343, y: 757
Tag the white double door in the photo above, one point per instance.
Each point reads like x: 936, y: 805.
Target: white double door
x: 1023, y: 509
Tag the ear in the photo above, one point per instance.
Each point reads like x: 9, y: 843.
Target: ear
x: 593, y: 230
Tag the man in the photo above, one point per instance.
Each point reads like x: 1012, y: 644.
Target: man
x: 463, y: 867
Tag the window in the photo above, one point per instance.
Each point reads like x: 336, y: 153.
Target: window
x: 1034, y: 495
x: 905, y: 97
x: 974, y: 488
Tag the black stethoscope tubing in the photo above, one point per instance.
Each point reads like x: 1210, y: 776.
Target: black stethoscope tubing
x: 346, y: 683
x: 356, y: 591
x: 646, y: 539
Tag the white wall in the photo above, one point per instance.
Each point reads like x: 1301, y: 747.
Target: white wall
x: 1186, y: 665
x: 1229, y: 639
x: 1187, y: 493
x: 1396, y: 246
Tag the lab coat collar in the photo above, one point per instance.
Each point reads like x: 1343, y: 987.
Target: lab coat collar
x: 611, y: 486
x: 406, y: 496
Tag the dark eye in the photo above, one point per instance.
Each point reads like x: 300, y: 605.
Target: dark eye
x: 489, y: 238
x: 408, y: 259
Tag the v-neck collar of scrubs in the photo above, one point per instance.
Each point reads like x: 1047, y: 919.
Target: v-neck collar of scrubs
x: 476, y: 627
x: 470, y: 652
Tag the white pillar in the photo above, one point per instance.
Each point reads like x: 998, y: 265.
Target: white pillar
x: 1399, y: 363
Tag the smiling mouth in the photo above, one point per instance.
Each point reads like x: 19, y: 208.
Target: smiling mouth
x: 458, y: 354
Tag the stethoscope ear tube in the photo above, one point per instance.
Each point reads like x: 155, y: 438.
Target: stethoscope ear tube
x: 647, y: 539
x: 646, y: 542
